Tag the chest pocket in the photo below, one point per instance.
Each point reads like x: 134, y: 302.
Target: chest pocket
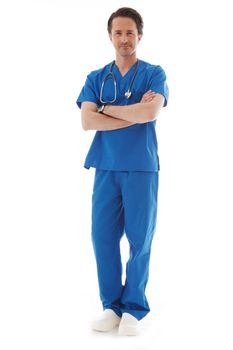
x: 136, y: 96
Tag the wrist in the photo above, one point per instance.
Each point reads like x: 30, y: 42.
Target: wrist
x: 105, y: 109
x: 100, y: 109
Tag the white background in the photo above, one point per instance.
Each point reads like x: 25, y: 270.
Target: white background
x: 48, y: 280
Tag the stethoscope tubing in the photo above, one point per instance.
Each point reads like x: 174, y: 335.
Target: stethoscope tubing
x: 111, y: 74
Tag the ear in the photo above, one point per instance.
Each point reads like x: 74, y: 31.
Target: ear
x: 139, y: 37
x: 110, y: 36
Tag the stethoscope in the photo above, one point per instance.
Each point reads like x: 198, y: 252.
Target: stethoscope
x: 128, y: 93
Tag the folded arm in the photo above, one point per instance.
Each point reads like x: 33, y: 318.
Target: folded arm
x: 145, y: 111
x: 92, y: 120
x: 118, y: 117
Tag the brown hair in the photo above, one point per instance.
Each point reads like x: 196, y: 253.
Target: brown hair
x: 127, y: 12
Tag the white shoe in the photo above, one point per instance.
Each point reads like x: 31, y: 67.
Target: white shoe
x: 106, y: 322
x: 128, y: 325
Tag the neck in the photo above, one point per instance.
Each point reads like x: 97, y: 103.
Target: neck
x: 124, y: 63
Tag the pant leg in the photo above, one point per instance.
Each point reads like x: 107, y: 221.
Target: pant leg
x: 140, y: 208
x: 107, y: 230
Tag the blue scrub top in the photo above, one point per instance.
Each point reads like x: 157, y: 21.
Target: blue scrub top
x: 133, y: 148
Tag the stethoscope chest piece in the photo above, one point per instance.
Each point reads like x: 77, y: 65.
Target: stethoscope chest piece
x: 128, y: 94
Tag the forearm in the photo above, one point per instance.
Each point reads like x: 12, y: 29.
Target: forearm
x: 101, y: 122
x: 137, y: 113
x: 143, y: 112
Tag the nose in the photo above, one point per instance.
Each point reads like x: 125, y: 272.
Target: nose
x: 124, y: 38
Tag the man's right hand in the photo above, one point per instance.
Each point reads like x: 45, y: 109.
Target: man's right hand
x: 148, y: 96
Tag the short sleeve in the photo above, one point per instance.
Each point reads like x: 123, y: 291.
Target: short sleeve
x: 87, y: 93
x: 158, y: 83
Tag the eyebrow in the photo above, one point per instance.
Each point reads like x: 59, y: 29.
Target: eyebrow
x: 119, y: 30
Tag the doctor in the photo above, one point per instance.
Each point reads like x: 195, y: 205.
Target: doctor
x: 121, y: 101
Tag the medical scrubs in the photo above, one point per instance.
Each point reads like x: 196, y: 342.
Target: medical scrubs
x: 124, y: 198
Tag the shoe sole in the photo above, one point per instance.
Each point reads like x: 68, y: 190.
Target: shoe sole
x: 127, y: 330
x: 104, y: 328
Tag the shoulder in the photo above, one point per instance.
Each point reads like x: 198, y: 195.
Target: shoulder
x: 153, y: 69
x: 98, y: 73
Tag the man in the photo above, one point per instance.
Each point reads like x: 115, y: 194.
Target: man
x: 122, y: 101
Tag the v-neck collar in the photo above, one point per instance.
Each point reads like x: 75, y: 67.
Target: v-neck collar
x: 117, y: 71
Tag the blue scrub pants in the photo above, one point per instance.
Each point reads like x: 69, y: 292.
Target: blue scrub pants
x: 124, y: 202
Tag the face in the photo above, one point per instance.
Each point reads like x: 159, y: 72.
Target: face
x: 124, y: 36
